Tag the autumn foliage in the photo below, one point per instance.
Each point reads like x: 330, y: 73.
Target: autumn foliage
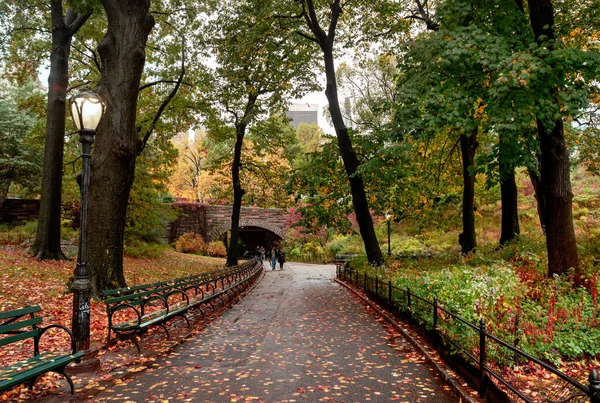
x: 26, y: 281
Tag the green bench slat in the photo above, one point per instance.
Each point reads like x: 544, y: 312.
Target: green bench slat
x: 13, y: 328
x: 20, y: 312
x: 20, y: 324
x: 28, y: 363
x: 31, y: 370
x: 18, y: 337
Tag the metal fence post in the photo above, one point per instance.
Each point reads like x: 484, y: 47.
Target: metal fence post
x: 390, y: 294
x: 365, y: 285
x: 377, y: 286
x: 594, y: 387
x: 435, y: 313
x: 435, y: 322
x: 356, y: 277
x: 481, y: 356
x: 408, y: 300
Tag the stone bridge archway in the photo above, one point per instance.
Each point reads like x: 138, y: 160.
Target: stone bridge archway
x: 216, y: 232
x: 213, y: 221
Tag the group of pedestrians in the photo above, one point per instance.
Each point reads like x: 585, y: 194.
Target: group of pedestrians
x: 275, y: 256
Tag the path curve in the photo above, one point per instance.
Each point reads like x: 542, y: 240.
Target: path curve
x: 297, y: 337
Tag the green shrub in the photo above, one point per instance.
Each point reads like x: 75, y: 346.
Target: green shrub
x: 140, y: 249
x: 346, y: 245
x: 190, y: 242
x: 551, y: 320
x: 19, y: 234
x: 30, y: 227
x: 294, y: 254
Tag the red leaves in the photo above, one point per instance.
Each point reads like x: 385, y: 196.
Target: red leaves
x: 27, y: 281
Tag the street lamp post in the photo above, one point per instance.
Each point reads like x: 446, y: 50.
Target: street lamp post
x: 87, y: 109
x: 388, y: 217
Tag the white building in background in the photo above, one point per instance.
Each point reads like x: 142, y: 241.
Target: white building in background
x: 303, y: 113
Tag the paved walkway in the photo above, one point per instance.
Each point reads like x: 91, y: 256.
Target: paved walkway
x: 297, y: 337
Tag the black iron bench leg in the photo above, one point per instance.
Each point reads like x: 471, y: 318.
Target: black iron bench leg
x: 132, y: 337
x: 186, y: 320
x: 166, y: 330
x: 67, y: 377
x: 32, y: 381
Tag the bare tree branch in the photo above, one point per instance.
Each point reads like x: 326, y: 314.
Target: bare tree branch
x: 165, y: 102
x: 147, y: 85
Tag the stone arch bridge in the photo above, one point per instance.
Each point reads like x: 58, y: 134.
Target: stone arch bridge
x: 258, y: 226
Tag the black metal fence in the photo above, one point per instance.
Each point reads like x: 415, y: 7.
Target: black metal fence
x: 501, y: 369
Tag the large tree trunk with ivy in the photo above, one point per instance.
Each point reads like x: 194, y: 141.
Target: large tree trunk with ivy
x: 351, y: 163
x: 122, y: 52
x: 468, y: 145
x: 47, y: 239
x: 554, y: 164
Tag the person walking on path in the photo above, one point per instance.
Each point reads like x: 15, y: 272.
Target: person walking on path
x: 273, y: 258
x: 281, y: 259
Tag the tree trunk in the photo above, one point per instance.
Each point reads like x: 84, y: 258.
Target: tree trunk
x: 122, y: 52
x: 554, y: 166
x: 509, y: 195
x: 536, y: 182
x: 468, y: 146
x: 351, y: 163
x: 47, y: 239
x: 238, y: 193
x: 510, y: 213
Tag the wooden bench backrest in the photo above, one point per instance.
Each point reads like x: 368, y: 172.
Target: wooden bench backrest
x: 19, y: 324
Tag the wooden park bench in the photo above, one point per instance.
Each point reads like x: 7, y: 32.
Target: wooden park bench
x: 19, y: 325
x: 155, y: 304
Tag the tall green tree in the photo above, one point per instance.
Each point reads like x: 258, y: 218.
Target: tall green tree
x: 137, y: 116
x: 554, y: 155
x: 29, y: 25
x: 321, y: 24
x: 259, y: 70
x: 65, y: 25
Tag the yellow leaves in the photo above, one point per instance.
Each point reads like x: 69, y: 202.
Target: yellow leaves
x: 480, y: 110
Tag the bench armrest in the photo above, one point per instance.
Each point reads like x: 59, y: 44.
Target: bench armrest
x: 181, y: 292
x: 122, y: 307
x: 44, y: 329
